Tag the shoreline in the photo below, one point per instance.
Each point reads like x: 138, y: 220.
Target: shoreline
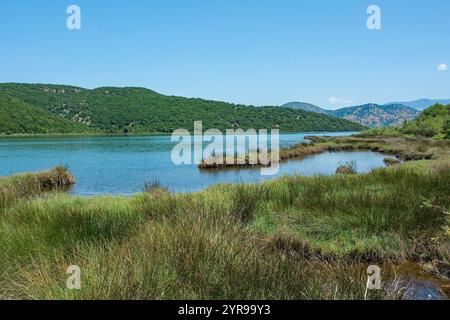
x: 322, y: 144
x: 293, y: 229
x: 100, y: 134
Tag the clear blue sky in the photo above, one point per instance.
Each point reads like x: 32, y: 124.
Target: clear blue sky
x: 259, y: 52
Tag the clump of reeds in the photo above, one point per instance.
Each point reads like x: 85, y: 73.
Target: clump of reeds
x: 219, y: 163
x: 245, y: 200
x: 155, y: 187
x: 290, y: 245
x: 391, y: 162
x: 300, y: 151
x: 33, y: 184
x: 348, y: 168
x: 58, y: 178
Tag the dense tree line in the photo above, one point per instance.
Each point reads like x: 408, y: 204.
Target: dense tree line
x: 139, y: 110
x: 433, y: 122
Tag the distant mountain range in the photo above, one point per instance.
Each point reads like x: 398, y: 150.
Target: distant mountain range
x: 305, y: 107
x: 371, y: 115
x: 423, y: 104
x: 374, y: 115
x: 62, y: 109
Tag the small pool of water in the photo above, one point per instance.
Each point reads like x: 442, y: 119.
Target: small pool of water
x: 420, y: 285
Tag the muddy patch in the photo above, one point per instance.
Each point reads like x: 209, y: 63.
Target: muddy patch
x: 415, y: 283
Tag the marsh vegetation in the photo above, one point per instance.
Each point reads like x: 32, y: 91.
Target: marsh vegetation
x: 292, y: 238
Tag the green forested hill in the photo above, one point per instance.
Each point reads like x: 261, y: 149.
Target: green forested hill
x: 16, y: 117
x: 433, y: 122
x: 139, y: 110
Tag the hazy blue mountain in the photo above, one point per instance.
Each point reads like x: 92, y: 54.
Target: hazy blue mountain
x: 422, y: 104
x: 374, y: 115
x: 305, y: 107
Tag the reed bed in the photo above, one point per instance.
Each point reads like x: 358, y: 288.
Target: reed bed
x: 291, y: 238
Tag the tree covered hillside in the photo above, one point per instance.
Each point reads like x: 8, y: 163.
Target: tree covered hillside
x: 16, y: 117
x: 434, y: 123
x: 139, y: 110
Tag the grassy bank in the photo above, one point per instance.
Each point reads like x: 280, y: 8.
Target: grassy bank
x: 425, y: 138
x: 30, y: 185
x: 404, y: 148
x: 293, y: 238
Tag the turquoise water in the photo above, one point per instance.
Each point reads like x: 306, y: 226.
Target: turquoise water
x: 122, y: 165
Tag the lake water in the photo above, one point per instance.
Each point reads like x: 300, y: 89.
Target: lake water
x: 122, y: 165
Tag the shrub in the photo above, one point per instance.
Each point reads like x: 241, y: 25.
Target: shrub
x: 348, y: 168
x: 391, y: 162
x: 155, y: 188
x: 33, y: 184
x: 245, y: 200
x: 57, y: 178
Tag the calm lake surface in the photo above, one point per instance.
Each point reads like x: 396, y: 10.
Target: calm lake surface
x: 122, y: 165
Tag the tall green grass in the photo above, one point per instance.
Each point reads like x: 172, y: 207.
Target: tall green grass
x: 292, y: 238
